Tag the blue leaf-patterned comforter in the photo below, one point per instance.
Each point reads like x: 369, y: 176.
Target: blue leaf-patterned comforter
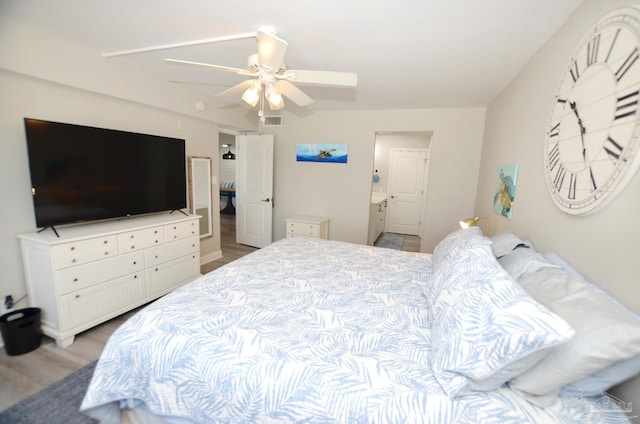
x: 302, y: 331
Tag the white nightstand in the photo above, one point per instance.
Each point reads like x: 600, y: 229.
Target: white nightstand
x: 308, y: 226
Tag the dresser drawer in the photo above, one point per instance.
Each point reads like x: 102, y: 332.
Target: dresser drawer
x: 140, y: 239
x: 81, y: 307
x: 82, y: 276
x: 181, y: 230
x: 157, y: 255
x: 83, y: 251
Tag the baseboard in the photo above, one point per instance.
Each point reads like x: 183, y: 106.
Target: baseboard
x: 210, y: 257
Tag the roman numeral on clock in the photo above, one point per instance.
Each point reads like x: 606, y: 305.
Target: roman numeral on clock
x: 559, y: 178
x: 627, y: 105
x: 613, y: 149
x: 594, y: 186
x: 574, y: 71
x: 628, y: 63
x: 613, y: 43
x: 573, y: 181
x: 554, y: 157
x: 592, y: 50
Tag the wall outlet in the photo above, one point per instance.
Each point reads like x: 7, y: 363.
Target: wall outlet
x: 8, y: 302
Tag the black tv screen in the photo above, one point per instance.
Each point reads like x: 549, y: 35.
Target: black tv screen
x: 81, y: 173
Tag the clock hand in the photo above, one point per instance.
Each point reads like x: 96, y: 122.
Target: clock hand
x: 582, y: 129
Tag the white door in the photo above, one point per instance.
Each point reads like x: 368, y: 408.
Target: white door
x: 406, y: 190
x: 254, y: 189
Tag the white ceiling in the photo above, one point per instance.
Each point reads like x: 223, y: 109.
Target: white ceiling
x: 407, y: 53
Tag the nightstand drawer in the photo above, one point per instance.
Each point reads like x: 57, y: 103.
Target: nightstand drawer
x: 305, y: 229
x: 308, y: 226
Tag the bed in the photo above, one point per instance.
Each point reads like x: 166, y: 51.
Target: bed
x: 316, y: 331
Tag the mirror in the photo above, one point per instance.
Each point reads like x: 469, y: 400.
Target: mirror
x: 200, y: 192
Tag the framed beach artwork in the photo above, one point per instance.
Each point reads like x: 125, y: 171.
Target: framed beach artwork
x: 506, y: 179
x: 322, y: 152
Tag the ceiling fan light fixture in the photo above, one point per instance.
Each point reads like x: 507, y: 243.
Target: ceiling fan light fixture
x: 274, y: 97
x: 252, y: 95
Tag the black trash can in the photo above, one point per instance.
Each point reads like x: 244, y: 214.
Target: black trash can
x: 21, y: 330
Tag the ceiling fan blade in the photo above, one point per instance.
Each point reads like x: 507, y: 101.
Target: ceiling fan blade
x: 183, y: 44
x: 271, y: 50
x: 348, y: 79
x: 210, y: 66
x: 294, y: 93
x: 236, y: 89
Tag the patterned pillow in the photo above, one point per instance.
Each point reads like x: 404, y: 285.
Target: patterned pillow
x: 485, y: 328
x: 451, y: 246
x: 458, y: 240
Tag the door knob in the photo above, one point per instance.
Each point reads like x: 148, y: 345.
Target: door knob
x: 266, y: 200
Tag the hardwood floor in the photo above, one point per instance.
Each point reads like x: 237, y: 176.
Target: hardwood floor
x: 24, y: 375
x: 230, y: 249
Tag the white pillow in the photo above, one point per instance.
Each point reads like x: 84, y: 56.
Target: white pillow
x: 605, y: 333
x: 485, y: 327
x: 600, y: 381
x: 523, y: 261
x: 504, y: 243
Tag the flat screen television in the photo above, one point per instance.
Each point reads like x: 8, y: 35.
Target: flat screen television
x: 81, y: 173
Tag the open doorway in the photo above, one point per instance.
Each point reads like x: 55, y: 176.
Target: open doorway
x: 399, y: 187
x: 227, y: 166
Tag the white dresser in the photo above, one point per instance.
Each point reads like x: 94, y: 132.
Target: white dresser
x: 308, y: 226
x: 94, y: 272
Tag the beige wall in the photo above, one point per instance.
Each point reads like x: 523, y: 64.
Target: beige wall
x: 602, y: 246
x: 342, y: 191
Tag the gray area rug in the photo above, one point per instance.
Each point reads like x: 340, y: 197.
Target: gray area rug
x: 57, y: 404
x: 391, y: 241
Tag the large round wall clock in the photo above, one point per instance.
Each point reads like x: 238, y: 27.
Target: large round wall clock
x: 591, y: 147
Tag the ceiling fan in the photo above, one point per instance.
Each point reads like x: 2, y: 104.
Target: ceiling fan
x: 269, y: 74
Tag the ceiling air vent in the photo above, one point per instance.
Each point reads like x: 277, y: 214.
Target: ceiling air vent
x: 272, y: 121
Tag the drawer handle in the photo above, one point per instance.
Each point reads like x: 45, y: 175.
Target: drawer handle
x: 72, y: 248
x: 156, y: 241
x: 156, y: 269
x: 135, y: 276
x: 131, y: 236
x: 77, y: 296
x: 135, y: 262
x: 75, y: 280
x: 106, y: 253
x: 155, y: 232
x: 73, y: 261
x: 156, y: 257
x: 106, y: 241
x: 133, y: 246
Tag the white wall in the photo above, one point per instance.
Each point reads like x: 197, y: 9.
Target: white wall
x: 602, y: 246
x: 342, y: 191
